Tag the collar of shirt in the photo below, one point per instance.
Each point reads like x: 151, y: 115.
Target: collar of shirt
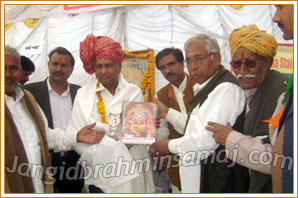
x: 197, y: 87
x: 249, y: 93
x: 19, y: 95
x: 181, y: 87
x: 50, y: 89
x: 120, y: 85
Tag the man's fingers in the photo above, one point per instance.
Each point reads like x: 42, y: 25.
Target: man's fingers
x: 98, y: 138
x: 214, y: 124
x: 90, y: 126
x: 211, y: 129
x: 229, y: 125
x: 215, y: 136
x: 211, y: 123
x: 156, y: 122
x: 100, y: 132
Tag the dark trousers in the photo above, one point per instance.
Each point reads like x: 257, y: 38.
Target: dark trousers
x: 68, y: 174
x: 94, y: 189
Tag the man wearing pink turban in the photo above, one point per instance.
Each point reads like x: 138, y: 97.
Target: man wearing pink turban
x: 108, y: 165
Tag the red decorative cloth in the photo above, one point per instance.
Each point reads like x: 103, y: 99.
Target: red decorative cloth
x: 100, y: 47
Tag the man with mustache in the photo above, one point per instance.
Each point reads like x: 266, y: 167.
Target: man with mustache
x: 28, y: 137
x: 282, y: 172
x: 217, y: 97
x: 56, y: 96
x: 176, y: 94
x: 96, y: 101
x: 252, y: 52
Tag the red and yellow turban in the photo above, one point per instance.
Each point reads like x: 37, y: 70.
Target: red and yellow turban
x: 101, y: 47
x: 254, y: 40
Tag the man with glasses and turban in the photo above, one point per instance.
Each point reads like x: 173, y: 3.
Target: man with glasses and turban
x: 96, y: 101
x: 218, y: 97
x: 252, y: 52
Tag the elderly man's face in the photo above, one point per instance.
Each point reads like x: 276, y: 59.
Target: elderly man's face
x: 250, y: 68
x: 284, y: 17
x: 107, y: 72
x: 200, y: 64
x: 13, y: 73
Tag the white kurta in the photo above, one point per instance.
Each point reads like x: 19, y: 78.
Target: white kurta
x: 224, y: 104
x: 108, y: 150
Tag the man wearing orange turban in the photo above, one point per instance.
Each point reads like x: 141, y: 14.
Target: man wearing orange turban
x: 97, y: 101
x: 253, y: 51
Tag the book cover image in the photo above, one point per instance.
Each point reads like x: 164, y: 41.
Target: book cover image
x: 138, y: 122
x: 115, y: 126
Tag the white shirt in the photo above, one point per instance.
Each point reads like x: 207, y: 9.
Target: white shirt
x: 61, y: 107
x: 85, y: 112
x: 178, y: 91
x: 56, y: 138
x: 163, y: 130
x: 249, y: 93
x: 224, y: 104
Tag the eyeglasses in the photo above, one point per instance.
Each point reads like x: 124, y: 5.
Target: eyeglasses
x: 248, y: 63
x: 196, y: 59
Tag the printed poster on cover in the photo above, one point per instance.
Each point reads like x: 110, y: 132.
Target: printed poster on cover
x: 138, y: 122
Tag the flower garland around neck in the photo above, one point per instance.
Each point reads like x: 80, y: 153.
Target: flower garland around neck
x: 147, y: 84
x: 31, y: 22
x: 101, y: 106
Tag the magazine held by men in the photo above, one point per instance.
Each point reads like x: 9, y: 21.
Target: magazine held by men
x: 136, y: 123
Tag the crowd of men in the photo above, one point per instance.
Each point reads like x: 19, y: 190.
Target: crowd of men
x: 209, y: 119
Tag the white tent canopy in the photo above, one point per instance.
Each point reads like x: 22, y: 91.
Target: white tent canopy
x: 136, y: 27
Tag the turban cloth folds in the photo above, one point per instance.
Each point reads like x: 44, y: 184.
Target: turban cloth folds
x: 254, y: 40
x: 100, y: 47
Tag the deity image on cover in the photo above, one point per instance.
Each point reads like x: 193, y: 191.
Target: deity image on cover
x: 115, y: 126
x: 138, y: 122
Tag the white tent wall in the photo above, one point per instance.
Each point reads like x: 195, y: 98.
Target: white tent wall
x: 136, y: 27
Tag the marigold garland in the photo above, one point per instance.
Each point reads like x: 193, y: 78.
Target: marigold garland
x: 101, y: 106
x: 31, y: 22
x: 147, y: 84
x: 7, y: 26
x: 237, y: 6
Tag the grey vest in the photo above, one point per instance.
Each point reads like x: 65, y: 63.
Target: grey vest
x: 262, y: 106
